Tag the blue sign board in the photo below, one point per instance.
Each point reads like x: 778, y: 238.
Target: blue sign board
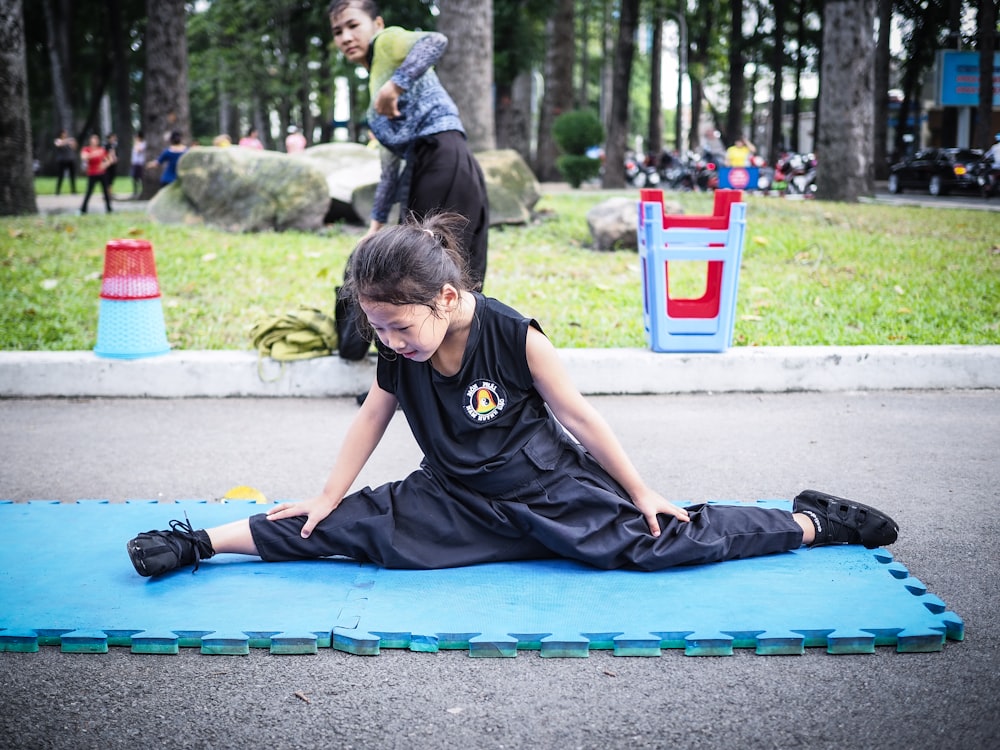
x: 960, y: 79
x: 739, y: 178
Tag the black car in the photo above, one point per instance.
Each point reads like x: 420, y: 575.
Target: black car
x: 936, y: 170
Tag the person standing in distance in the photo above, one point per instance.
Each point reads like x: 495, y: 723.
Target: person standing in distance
x: 66, y: 160
x: 97, y: 160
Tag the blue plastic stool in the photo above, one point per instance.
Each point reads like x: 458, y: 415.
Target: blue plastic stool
x: 703, y: 324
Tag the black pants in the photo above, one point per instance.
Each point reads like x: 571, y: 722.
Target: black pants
x: 64, y: 167
x: 560, y: 505
x: 92, y: 180
x: 447, y: 177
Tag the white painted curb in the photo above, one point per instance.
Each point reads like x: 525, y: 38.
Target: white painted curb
x: 224, y: 374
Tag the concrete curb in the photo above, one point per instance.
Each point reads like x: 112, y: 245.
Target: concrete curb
x: 225, y: 374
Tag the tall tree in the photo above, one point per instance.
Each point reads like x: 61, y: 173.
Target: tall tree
x: 778, y: 70
x: 466, y: 69
x: 519, y: 44
x: 57, y: 27
x: 614, y: 172
x: 166, y: 107
x: 702, y: 44
x: 807, y: 43
x: 986, y: 31
x: 558, y: 80
x: 122, y: 95
x: 654, y: 141
x: 17, y: 186
x: 846, y: 103
x: 882, y: 60
x: 925, y: 33
x: 737, y: 64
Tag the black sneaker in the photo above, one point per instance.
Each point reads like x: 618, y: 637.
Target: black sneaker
x: 156, y: 552
x: 840, y: 521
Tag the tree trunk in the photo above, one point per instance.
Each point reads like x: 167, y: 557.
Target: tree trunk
x: 695, y: 142
x: 654, y: 142
x: 737, y: 63
x: 986, y: 30
x: 701, y: 27
x: 882, y: 60
x: 57, y: 31
x: 582, y: 100
x: 166, y: 106
x: 513, y: 116
x: 466, y: 69
x: 778, y: 69
x: 17, y: 185
x: 800, y: 63
x: 607, y: 66
x: 847, y: 103
x: 558, y: 94
x: 614, y: 171
x: 120, y: 77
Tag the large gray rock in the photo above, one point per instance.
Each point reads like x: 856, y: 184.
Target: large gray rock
x: 352, y: 173
x: 511, y: 186
x: 614, y: 223
x: 244, y: 190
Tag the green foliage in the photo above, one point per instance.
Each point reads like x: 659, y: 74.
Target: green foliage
x: 518, y: 37
x: 577, y: 169
x: 813, y: 273
x: 575, y: 132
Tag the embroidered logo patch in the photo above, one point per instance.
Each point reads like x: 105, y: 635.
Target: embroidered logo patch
x: 484, y: 400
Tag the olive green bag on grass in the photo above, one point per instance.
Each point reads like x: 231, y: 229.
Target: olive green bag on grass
x: 303, y: 334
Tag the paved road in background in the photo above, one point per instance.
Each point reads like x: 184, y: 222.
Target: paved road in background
x: 927, y: 457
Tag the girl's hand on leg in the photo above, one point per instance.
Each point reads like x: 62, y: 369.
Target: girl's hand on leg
x: 315, y: 509
x: 651, y: 504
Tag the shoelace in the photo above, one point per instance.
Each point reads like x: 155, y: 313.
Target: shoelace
x: 185, y: 530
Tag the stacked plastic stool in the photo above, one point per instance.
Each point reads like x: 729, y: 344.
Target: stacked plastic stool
x: 705, y: 323
x: 131, y: 324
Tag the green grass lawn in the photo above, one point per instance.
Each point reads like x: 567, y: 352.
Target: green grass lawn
x: 814, y: 273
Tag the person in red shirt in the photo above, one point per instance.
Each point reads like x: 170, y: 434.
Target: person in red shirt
x: 97, y: 160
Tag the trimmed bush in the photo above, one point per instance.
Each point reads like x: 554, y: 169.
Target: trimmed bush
x: 577, y: 169
x: 575, y: 132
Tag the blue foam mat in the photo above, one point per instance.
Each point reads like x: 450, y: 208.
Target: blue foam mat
x: 65, y: 580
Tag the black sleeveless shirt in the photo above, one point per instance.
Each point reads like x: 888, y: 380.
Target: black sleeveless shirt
x: 479, y: 420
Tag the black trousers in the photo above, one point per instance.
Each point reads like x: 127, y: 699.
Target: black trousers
x: 67, y: 166
x: 92, y: 181
x: 551, y: 501
x: 447, y: 177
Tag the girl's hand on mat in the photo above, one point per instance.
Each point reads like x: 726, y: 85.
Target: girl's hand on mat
x: 315, y: 509
x: 651, y: 504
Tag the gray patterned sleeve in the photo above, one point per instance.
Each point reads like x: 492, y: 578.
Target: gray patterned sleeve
x: 422, y: 56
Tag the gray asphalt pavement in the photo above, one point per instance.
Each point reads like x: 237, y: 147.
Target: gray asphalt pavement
x: 929, y: 458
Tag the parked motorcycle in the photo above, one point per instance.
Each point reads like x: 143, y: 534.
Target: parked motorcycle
x: 676, y: 173
x: 987, y: 173
x: 706, y: 170
x: 795, y: 174
x: 640, y: 174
